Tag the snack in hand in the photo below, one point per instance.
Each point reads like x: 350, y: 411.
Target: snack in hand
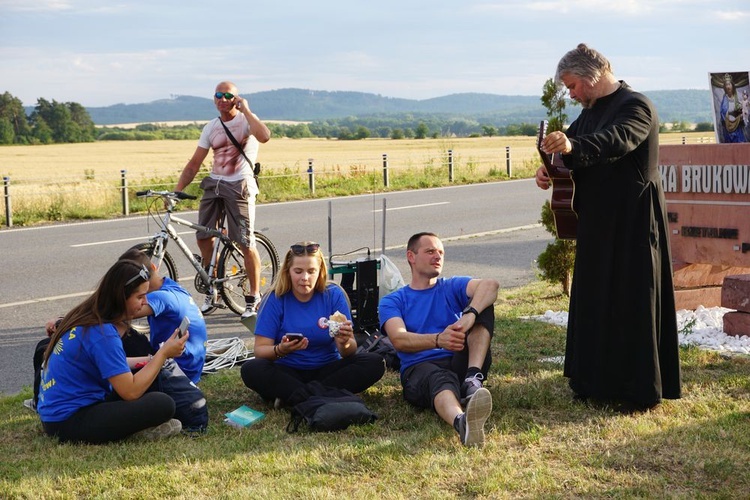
x: 335, y: 321
x: 338, y: 317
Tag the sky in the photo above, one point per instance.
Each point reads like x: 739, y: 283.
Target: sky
x: 100, y: 53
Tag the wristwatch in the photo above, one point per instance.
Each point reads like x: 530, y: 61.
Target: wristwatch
x: 470, y: 309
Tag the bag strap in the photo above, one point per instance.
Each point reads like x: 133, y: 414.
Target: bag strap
x: 256, y: 167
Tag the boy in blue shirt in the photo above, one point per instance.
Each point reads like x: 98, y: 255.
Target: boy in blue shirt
x: 168, y: 303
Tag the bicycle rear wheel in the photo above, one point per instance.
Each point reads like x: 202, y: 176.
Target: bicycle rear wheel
x: 231, y: 270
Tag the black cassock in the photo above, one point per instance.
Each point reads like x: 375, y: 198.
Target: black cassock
x: 622, y: 327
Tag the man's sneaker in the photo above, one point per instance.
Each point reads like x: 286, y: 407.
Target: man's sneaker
x: 168, y: 428
x: 249, y: 312
x: 470, y: 386
x: 251, y: 308
x: 210, y: 302
x: 471, y: 423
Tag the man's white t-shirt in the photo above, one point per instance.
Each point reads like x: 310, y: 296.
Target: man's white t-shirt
x: 226, y: 153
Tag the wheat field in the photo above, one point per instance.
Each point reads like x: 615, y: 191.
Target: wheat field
x: 104, y: 160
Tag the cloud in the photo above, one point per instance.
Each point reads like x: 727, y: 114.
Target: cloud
x: 36, y: 5
x: 737, y: 16
x: 630, y: 7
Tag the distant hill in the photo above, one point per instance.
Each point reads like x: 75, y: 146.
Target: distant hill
x: 314, y: 105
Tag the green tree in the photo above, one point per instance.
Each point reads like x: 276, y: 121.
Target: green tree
x: 11, y: 109
x: 298, y: 131
x: 67, y: 122
x: 489, y: 130
x: 397, y: 133
x: 362, y: 132
x: 7, y: 134
x: 553, y: 98
x: 85, y: 125
x: 421, y: 131
x: 557, y: 260
x: 41, y: 132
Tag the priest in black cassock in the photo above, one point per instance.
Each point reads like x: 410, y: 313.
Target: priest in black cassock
x: 622, y: 345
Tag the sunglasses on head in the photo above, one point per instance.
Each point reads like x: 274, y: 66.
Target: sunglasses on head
x: 143, y: 273
x: 226, y: 95
x: 303, y: 249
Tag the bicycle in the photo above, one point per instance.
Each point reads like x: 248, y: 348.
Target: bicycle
x: 230, y: 279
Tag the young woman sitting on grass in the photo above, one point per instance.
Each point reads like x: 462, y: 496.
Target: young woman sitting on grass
x: 294, y: 341
x: 88, y: 392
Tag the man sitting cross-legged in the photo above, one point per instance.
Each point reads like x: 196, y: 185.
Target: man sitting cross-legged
x: 441, y: 328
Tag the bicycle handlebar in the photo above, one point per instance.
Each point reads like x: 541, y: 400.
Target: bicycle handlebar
x: 179, y: 195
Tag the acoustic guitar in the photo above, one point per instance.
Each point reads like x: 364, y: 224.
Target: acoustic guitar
x: 563, y: 190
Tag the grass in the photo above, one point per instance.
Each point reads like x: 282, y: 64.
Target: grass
x: 540, y: 442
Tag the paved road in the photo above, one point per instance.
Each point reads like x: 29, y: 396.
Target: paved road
x: 489, y: 230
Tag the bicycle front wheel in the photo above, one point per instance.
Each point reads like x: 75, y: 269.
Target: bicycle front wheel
x: 231, y: 272
x: 168, y: 267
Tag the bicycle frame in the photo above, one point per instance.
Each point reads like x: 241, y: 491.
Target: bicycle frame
x: 168, y: 231
x: 225, y: 275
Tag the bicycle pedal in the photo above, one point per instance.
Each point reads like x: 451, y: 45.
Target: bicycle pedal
x: 219, y: 305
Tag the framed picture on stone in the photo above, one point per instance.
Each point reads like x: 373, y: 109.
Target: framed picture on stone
x: 730, y: 95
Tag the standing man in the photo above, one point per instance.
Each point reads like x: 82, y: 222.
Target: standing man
x: 441, y: 328
x: 622, y: 345
x: 231, y: 186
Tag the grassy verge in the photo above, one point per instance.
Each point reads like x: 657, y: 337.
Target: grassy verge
x: 540, y: 442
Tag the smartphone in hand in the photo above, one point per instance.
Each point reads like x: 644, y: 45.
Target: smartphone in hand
x: 295, y: 336
x: 183, y: 327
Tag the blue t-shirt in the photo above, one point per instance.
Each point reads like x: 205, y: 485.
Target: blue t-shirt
x: 77, y: 372
x: 281, y: 315
x: 426, y: 311
x: 170, y: 304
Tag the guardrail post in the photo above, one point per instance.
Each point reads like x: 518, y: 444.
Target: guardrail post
x: 507, y: 160
x: 450, y: 165
x: 8, y: 210
x: 124, y: 188
x: 311, y: 175
x: 386, y: 182
x: 684, y: 140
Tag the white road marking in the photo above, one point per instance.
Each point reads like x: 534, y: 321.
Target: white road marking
x: 107, y: 242
x: 412, y: 206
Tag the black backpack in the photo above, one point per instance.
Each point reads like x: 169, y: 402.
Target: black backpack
x: 380, y: 344
x: 326, y: 409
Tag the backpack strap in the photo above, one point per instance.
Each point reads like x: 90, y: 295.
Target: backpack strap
x: 256, y: 167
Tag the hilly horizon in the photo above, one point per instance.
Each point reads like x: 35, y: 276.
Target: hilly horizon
x: 293, y: 104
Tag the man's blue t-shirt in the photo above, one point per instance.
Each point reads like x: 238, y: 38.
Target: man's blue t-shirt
x: 426, y: 311
x: 77, y: 372
x: 281, y: 315
x: 170, y: 304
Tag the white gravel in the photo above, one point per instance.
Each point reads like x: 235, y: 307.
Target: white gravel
x: 702, y: 328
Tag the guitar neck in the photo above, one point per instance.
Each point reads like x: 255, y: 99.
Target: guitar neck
x: 552, y: 162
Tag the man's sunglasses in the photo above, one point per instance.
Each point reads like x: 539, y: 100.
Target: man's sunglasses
x: 226, y: 95
x: 303, y: 249
x: 143, y: 274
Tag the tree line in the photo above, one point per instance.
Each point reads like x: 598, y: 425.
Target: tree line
x: 49, y: 123
x: 55, y: 122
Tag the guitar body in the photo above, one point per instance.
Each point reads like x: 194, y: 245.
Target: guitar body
x: 563, y: 191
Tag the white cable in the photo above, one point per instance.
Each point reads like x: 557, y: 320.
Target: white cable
x: 225, y: 353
